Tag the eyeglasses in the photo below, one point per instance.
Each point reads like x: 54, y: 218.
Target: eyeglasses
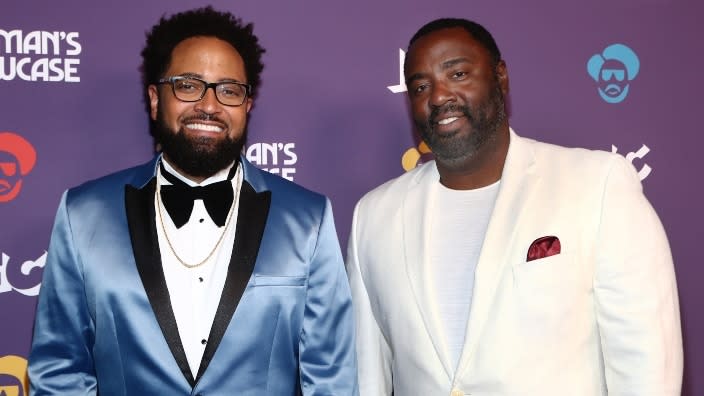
x: 607, y: 74
x: 191, y: 89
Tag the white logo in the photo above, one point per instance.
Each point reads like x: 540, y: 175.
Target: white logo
x: 25, y: 268
x: 276, y: 158
x: 642, y: 151
x: 401, y: 87
x: 39, y: 56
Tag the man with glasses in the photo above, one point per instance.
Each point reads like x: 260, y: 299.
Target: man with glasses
x: 195, y: 273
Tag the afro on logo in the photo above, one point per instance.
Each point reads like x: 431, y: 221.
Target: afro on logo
x: 13, y: 376
x: 17, y: 158
x: 613, y: 69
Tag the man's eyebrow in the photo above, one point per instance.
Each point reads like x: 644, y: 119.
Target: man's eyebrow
x: 192, y: 75
x: 453, y: 62
x: 414, y: 77
x: 200, y: 77
x: 445, y: 65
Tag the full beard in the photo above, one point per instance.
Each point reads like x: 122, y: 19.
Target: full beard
x: 197, y: 156
x: 456, y: 147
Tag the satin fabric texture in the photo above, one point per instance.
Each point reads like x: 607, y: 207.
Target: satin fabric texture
x: 104, y: 324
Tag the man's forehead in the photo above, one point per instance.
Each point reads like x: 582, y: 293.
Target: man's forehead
x: 451, y: 36
x: 443, y: 48
x: 207, y: 57
x: 449, y: 43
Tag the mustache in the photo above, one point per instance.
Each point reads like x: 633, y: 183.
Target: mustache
x: 204, y: 117
x: 615, y: 87
x: 448, y: 108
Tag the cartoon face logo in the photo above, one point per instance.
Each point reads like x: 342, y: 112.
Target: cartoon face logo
x: 17, y: 158
x: 13, y: 376
x: 613, y: 69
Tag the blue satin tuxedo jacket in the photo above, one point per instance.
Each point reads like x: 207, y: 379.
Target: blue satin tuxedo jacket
x: 104, y: 322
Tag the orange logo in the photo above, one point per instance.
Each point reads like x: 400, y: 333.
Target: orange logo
x: 17, y: 158
x: 16, y: 368
x: 414, y: 156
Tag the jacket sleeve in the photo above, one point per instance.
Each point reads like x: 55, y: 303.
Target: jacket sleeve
x: 327, y: 357
x: 636, y: 295
x: 60, y: 360
x: 373, y: 352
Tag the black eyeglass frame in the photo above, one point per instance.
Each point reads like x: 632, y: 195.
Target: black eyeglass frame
x: 214, y: 85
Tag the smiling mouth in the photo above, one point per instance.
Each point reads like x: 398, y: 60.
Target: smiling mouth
x: 196, y: 126
x: 446, y: 121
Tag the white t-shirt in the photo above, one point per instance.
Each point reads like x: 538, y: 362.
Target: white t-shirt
x: 459, y: 222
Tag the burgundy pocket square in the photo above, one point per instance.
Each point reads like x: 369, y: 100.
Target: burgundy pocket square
x: 543, y: 247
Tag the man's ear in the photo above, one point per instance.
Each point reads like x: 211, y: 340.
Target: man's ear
x: 248, y: 103
x: 502, y: 76
x: 153, y: 92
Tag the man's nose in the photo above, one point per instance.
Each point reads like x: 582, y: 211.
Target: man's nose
x: 441, y: 93
x: 209, y: 102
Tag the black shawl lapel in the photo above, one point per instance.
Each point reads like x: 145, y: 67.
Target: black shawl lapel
x: 251, y: 220
x: 139, y: 204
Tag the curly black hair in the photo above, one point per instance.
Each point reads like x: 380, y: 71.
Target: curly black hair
x: 477, y: 31
x: 205, y: 21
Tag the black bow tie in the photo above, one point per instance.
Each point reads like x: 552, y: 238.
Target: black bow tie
x: 178, y: 198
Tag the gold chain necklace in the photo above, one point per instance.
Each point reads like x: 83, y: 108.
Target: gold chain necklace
x: 222, y: 235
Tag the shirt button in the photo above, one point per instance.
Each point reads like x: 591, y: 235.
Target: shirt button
x: 456, y: 392
x: 200, y: 279
x: 204, y: 341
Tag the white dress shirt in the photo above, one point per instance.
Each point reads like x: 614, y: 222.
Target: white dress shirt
x: 195, y: 292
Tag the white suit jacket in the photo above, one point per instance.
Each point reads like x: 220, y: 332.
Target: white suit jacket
x: 599, y: 318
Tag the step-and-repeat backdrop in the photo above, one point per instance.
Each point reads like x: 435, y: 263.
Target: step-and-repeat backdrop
x: 622, y: 76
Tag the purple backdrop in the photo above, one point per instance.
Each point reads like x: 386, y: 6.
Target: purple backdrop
x: 325, y: 117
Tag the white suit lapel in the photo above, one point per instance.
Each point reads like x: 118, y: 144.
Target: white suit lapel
x: 517, y: 183
x: 416, y: 224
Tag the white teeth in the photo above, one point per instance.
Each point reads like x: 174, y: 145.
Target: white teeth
x: 446, y: 121
x: 205, y: 127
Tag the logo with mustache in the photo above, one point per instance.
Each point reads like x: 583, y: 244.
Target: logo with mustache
x: 17, y: 159
x: 612, y: 70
